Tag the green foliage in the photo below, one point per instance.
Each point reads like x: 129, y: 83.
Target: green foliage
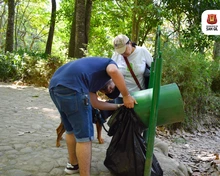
x: 31, y: 24
x: 193, y: 39
x: 216, y: 75
x: 105, y: 26
x: 216, y: 83
x: 213, y: 105
x: 38, y: 71
x: 65, y: 15
x: 31, y: 68
x: 8, y: 67
x: 100, y: 46
x: 193, y: 75
x: 110, y: 18
x: 189, y: 26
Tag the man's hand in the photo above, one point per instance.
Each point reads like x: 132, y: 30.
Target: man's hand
x: 129, y: 101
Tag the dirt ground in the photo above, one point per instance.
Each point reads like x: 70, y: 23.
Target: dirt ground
x: 199, y: 150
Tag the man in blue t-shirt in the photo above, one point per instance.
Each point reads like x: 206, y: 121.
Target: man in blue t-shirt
x: 73, y: 90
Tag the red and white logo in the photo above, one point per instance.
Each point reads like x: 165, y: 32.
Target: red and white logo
x: 210, y: 22
x: 212, y: 19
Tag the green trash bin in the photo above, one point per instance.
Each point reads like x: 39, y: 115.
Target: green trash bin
x: 170, y: 108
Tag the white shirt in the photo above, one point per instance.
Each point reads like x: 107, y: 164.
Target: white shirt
x: 138, y: 60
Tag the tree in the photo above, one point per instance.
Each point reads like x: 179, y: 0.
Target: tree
x: 145, y: 18
x: 10, y: 26
x: 186, y: 18
x: 31, y: 24
x: 2, y: 23
x: 216, y: 58
x: 80, y: 28
x: 135, y: 18
x: 216, y: 51
x: 52, y: 26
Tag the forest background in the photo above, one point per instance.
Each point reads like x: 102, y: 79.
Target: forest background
x: 38, y: 36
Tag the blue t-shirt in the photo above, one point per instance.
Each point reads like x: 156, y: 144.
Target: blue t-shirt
x: 83, y: 75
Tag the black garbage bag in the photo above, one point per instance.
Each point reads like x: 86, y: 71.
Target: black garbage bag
x: 125, y: 155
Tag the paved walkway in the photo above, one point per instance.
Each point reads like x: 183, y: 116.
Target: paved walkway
x: 28, y: 135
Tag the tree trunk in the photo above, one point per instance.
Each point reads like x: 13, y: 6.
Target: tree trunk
x: 71, y: 52
x: 216, y: 51
x: 80, y: 37
x: 2, y: 23
x: 10, y: 26
x: 88, y: 17
x: 80, y: 28
x: 134, y: 36
x: 52, y: 26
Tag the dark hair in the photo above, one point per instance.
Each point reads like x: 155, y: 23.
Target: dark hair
x: 133, y: 44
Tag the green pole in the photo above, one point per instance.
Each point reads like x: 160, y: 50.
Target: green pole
x: 154, y: 107
x: 156, y: 54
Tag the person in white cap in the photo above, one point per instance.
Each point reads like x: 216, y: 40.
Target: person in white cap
x: 137, y: 56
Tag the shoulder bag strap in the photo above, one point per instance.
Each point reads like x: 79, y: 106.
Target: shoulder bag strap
x: 132, y: 73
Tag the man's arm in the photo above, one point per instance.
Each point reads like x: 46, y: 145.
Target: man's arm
x: 102, y: 105
x: 119, y: 81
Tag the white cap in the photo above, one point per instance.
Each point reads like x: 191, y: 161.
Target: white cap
x: 120, y: 43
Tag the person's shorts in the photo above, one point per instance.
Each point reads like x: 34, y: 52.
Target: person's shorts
x: 75, y: 111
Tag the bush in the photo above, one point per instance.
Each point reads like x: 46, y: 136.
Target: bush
x: 35, y: 69
x: 38, y: 71
x: 192, y: 73
x: 9, y: 64
x: 216, y: 76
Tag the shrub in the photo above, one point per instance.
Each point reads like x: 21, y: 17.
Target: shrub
x: 9, y: 64
x: 192, y: 73
x: 38, y: 71
x: 30, y: 68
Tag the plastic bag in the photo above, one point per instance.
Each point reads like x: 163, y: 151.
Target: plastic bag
x: 125, y: 155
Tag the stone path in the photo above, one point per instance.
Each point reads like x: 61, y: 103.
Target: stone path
x: 28, y: 122
x: 28, y: 135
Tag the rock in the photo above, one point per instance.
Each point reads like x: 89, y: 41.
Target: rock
x: 169, y: 166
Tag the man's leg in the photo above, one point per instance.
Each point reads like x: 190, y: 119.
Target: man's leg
x: 84, y: 155
x: 71, y: 146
